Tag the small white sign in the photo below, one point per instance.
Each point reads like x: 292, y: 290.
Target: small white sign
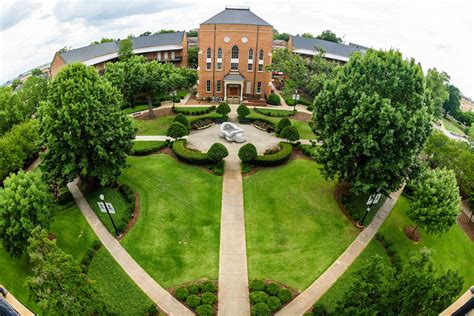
x: 296, y: 96
x: 377, y: 198
x: 102, y: 207
x: 371, y: 199
x: 111, y: 208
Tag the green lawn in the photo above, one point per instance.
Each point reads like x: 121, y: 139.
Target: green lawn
x: 332, y: 296
x: 452, y: 127
x: 295, y: 229
x: 302, y: 127
x: 191, y: 108
x: 141, y: 145
x: 176, y: 237
x: 157, y: 126
x: 137, y: 108
x: 123, y: 295
x: 452, y: 250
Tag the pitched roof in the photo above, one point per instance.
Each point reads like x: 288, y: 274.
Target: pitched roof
x: 312, y: 44
x: 94, y: 51
x: 234, y: 76
x: 236, y: 16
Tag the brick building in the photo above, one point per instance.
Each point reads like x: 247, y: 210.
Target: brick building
x: 235, y: 46
x: 169, y: 47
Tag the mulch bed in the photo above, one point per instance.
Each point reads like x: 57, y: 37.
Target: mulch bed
x: 134, y: 219
x: 468, y: 228
x: 409, y: 232
x: 342, y: 188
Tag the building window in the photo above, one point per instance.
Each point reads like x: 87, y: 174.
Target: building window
x: 219, y: 52
x: 234, y: 66
x: 208, y: 86
x: 158, y: 56
x: 250, y: 54
x: 259, y: 87
x: 219, y: 66
x: 165, y: 56
x: 248, y: 89
x: 208, y: 66
x: 249, y: 67
x: 208, y: 53
x: 260, y: 67
x: 260, y: 55
x: 218, y: 86
x: 235, y: 52
x: 172, y: 56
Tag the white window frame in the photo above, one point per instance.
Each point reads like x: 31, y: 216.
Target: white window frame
x: 250, y: 67
x: 173, y: 55
x: 260, y: 67
x: 208, y: 86
x: 259, y: 87
x: 218, y: 86
x: 165, y: 57
x: 208, y: 66
x: 219, y: 53
x: 232, y: 52
x: 236, y: 66
x: 219, y: 65
x: 208, y: 53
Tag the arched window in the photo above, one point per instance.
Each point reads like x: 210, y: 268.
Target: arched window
x: 208, y: 53
x: 251, y: 53
x: 260, y: 55
x: 219, y: 52
x: 235, y: 52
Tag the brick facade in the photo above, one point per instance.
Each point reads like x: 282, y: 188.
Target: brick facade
x: 212, y: 36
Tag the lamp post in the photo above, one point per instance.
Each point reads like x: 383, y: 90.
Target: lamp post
x: 295, y: 97
x: 117, y: 232
x: 373, y: 199
x: 173, y: 94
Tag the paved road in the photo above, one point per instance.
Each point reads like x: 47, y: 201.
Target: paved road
x: 315, y: 291
x: 150, y: 287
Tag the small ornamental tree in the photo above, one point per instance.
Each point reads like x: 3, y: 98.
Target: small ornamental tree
x: 273, y: 99
x: 177, y: 130
x: 290, y: 133
x: 436, y: 202
x: 243, y: 111
x: 58, y: 285
x: 181, y: 119
x: 284, y: 122
x: 25, y: 203
x: 223, y: 109
x: 247, y: 153
x: 217, y: 152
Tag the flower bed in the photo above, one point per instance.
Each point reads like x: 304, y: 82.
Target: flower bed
x: 264, y: 125
x: 201, y: 297
x: 202, y: 123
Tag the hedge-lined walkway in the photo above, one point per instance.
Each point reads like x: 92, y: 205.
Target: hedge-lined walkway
x: 150, y: 287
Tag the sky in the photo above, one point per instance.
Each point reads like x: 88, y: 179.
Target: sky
x: 437, y: 33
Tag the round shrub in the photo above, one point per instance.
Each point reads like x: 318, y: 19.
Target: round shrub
x: 273, y: 99
x: 272, y: 289
x: 209, y: 286
x: 152, y: 310
x: 223, y: 109
x: 193, y: 301
x: 257, y: 285
x: 290, y: 133
x: 243, y: 111
x: 177, y: 130
x: 205, y: 310
x: 258, y: 297
x: 261, y: 309
x: 181, y: 119
x: 217, y: 152
x: 273, y: 303
x: 320, y: 310
x: 209, y: 298
x: 247, y: 153
x: 284, y: 122
x: 193, y: 289
x: 181, y: 293
x: 284, y: 295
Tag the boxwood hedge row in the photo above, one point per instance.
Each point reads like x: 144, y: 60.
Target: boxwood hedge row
x: 189, y: 155
x: 277, y: 158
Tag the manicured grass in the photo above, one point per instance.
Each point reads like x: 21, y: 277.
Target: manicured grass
x: 123, y: 296
x: 302, y: 127
x: 112, y: 195
x: 295, y: 229
x: 452, y: 250
x: 176, y: 237
x: 335, y: 293
x: 137, y: 108
x: 452, y: 127
x: 191, y: 108
x: 141, y: 145
x: 157, y: 126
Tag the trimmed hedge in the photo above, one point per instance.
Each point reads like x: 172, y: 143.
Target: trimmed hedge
x: 143, y: 148
x: 248, y: 153
x: 190, y: 111
x: 200, y: 297
x: 243, y: 111
x: 275, y: 159
x: 273, y: 99
x: 177, y: 130
x: 188, y: 155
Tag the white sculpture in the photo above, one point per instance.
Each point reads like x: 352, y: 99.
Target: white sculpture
x: 232, y: 133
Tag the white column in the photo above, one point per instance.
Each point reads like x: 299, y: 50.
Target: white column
x: 225, y: 91
x: 241, y: 92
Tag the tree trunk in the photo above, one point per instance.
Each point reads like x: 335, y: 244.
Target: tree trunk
x: 150, y: 106
x: 414, y: 231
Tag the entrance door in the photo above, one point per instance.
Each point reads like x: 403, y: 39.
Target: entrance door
x: 233, y: 94
x: 234, y: 91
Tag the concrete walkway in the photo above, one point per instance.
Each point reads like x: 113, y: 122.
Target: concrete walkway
x: 150, y: 287
x: 315, y: 291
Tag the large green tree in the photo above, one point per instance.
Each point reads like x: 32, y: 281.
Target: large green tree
x: 373, y: 120
x: 437, y: 83
x: 125, y: 49
x: 436, y: 201
x: 11, y: 110
x: 25, y: 203
x: 328, y: 35
x: 193, y: 57
x: 83, y: 128
x: 453, y: 102
x: 58, y: 284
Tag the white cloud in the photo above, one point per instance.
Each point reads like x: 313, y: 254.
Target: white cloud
x: 436, y: 33
x: 13, y: 12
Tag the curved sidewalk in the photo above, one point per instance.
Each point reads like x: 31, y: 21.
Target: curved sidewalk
x: 150, y: 287
x: 315, y: 291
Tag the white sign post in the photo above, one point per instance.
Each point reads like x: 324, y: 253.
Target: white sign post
x: 110, y: 207
x: 102, y: 207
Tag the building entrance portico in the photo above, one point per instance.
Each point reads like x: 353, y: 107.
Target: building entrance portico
x: 233, y: 88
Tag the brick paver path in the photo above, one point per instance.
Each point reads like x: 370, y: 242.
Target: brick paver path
x: 155, y: 292
x: 308, y: 297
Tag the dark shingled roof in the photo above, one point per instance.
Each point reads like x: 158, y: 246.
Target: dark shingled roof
x: 94, y: 51
x: 300, y: 42
x: 236, y: 16
x: 234, y: 76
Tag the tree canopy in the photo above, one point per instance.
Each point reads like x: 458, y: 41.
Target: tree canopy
x: 453, y: 102
x: 82, y: 126
x: 25, y: 203
x: 125, y: 49
x: 373, y: 120
x: 280, y: 36
x: 329, y: 36
x: 102, y: 40
x: 437, y: 83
